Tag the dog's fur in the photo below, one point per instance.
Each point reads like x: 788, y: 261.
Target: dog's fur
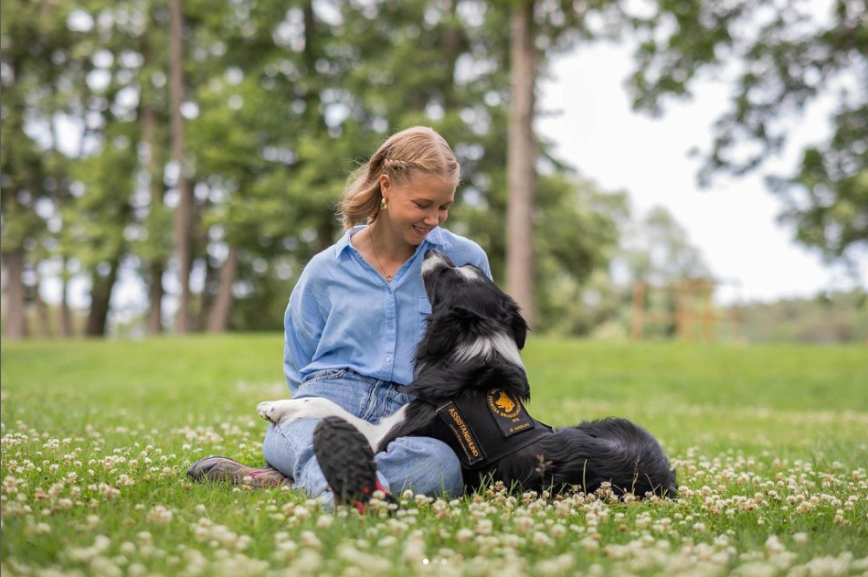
x: 472, y: 345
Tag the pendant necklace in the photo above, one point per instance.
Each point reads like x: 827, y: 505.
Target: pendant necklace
x: 377, y: 256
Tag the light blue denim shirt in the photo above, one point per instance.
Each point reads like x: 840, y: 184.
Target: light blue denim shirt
x: 343, y: 314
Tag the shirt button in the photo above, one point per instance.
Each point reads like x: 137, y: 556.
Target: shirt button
x: 388, y: 359
x: 389, y: 325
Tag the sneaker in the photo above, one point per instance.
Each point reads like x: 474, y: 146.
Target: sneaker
x: 347, y: 462
x: 216, y: 468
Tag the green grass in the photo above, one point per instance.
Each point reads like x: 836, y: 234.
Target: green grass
x: 770, y: 444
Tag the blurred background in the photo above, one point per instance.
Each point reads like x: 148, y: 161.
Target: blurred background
x: 658, y: 169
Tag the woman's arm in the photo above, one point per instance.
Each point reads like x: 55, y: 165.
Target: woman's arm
x: 303, y: 325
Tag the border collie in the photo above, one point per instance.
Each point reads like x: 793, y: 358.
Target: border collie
x: 469, y: 391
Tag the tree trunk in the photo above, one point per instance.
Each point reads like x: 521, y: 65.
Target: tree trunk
x: 210, y: 288
x: 183, y: 224
x: 16, y: 326
x: 155, y: 300
x: 520, y: 161
x: 155, y: 290
x: 42, y: 323
x: 100, y: 295
x: 64, y: 323
x: 219, y: 318
x: 326, y: 233
x: 452, y: 44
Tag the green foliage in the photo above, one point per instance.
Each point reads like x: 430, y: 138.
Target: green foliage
x: 834, y: 318
x: 787, y: 56
x: 283, y: 101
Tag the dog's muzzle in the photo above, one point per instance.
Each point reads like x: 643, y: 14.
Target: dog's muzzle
x: 434, y: 260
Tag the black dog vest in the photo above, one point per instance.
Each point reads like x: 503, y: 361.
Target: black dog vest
x: 483, y: 429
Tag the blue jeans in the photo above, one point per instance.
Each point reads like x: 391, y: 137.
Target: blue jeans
x: 425, y: 465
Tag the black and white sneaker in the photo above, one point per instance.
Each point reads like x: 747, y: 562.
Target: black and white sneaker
x: 347, y: 462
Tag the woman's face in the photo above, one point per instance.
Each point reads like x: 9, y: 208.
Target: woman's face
x: 417, y: 206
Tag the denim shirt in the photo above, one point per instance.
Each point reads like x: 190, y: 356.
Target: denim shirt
x: 343, y: 315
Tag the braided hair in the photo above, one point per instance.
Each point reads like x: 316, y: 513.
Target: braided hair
x: 404, y: 155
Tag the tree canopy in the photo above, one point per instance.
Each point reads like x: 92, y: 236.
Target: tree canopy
x: 782, y: 57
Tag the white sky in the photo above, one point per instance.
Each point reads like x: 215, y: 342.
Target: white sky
x: 733, y: 222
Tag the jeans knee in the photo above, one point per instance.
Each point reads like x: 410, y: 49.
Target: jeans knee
x: 435, y: 467
x: 276, y: 452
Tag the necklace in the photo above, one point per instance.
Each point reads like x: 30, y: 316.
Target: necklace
x: 377, y: 256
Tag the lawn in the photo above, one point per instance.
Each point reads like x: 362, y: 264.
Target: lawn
x: 770, y: 443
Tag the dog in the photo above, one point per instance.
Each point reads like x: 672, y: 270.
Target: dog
x: 469, y: 391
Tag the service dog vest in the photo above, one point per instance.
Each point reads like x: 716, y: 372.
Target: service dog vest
x: 483, y: 429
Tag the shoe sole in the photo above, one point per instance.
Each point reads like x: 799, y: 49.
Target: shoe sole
x: 198, y: 474
x: 346, y: 460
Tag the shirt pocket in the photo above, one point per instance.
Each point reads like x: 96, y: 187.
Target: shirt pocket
x: 424, y: 313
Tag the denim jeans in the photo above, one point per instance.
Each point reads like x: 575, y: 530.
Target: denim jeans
x: 425, y: 465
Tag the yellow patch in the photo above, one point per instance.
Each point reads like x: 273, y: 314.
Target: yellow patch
x: 503, y: 404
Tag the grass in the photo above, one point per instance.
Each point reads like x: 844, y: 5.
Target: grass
x: 770, y: 444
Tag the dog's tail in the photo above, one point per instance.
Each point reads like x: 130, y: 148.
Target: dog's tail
x: 614, y: 450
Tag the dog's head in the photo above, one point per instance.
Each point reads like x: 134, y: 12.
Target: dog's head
x: 469, y: 293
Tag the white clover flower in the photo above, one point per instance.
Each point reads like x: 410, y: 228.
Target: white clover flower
x: 540, y: 539
x: 464, y: 535
x: 309, y: 562
x: 324, y: 521
x: 387, y: 542
x: 590, y: 543
x: 159, y: 514
x: 484, y: 527
x: 285, y: 550
x: 310, y: 540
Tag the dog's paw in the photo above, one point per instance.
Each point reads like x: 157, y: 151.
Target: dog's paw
x: 269, y: 410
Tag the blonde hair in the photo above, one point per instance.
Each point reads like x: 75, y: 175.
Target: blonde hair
x: 403, y: 156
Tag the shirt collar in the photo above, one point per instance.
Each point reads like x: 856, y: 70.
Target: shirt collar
x: 435, y: 237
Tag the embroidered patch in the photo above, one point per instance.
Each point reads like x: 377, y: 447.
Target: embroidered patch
x: 508, y: 413
x: 466, y: 439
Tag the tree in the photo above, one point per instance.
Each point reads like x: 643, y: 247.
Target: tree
x: 35, y: 57
x: 184, y: 213
x: 521, y: 160
x: 656, y: 249
x: 788, y: 56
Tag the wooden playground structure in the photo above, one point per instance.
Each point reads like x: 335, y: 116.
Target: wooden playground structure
x: 685, y: 310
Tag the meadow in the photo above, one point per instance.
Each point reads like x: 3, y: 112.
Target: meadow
x: 770, y: 445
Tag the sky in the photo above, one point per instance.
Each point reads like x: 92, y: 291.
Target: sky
x: 733, y: 223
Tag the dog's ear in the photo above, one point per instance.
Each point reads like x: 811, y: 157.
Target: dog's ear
x: 518, y: 325
x: 444, y: 327
x: 461, y: 320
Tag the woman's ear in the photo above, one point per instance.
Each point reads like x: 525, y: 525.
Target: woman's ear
x: 385, y: 186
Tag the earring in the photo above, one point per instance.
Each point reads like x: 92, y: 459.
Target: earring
x: 383, y: 204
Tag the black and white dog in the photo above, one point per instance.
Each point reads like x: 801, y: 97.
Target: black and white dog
x: 470, y: 386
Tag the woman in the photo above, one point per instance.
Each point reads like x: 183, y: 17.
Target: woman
x: 357, y: 313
